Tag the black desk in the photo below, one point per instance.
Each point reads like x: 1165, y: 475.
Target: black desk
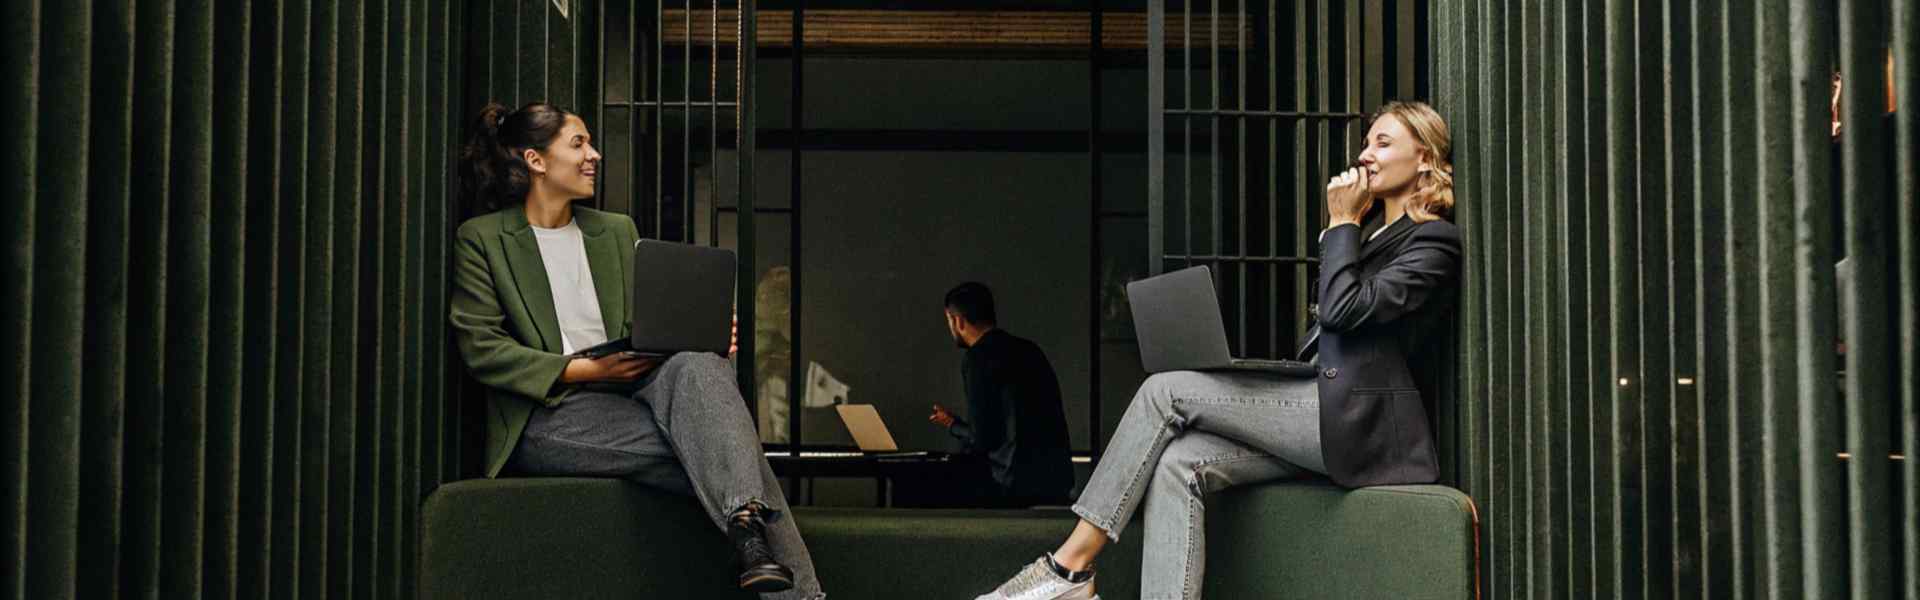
x: 922, y: 479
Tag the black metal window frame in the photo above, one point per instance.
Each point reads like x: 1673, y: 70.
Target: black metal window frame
x: 1220, y: 119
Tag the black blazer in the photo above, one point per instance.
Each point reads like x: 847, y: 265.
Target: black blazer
x: 1381, y: 302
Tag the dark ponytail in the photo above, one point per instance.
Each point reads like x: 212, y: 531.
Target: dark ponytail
x: 492, y: 174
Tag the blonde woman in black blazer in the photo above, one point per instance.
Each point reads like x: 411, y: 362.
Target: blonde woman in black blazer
x: 1389, y: 263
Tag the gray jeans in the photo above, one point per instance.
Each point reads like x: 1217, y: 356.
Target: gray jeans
x: 686, y: 431
x: 1187, y: 434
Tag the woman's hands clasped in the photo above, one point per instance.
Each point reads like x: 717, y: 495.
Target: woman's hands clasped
x: 1347, y: 196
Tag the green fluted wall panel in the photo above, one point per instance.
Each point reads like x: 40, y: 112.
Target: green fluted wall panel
x: 229, y: 376
x: 184, y: 361
x: 59, y: 284
x: 1652, y: 401
x: 109, y: 195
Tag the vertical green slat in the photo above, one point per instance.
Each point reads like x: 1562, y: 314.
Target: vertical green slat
x: 406, y: 423
x: 349, y: 390
x: 59, y: 287
x: 1869, y: 302
x: 381, y: 149
x: 1576, y: 268
x: 1602, y: 524
x: 433, y: 426
x: 19, y: 63
x: 1711, y: 389
x: 1745, y: 410
x: 259, y: 444
x: 357, y: 254
x: 1906, y: 59
x: 1625, y: 271
x: 1653, y: 305
x: 147, y: 302
x: 1537, y: 206
x: 1550, y: 138
x: 315, y: 418
x: 392, y: 219
x: 1821, y: 428
x: 1679, y: 377
x: 1781, y: 530
x: 1620, y: 492
x: 423, y: 408
x: 109, y: 197
x: 396, y: 258
x: 1478, y: 412
x: 189, y: 226
x: 291, y: 506
x: 1500, y: 395
x: 228, y: 282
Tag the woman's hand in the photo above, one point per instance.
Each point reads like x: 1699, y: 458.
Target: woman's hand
x: 612, y: 367
x: 733, y: 342
x: 1347, y: 197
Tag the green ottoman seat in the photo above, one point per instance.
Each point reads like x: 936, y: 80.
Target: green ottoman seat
x: 569, y: 538
x: 602, y: 538
x: 1303, y: 540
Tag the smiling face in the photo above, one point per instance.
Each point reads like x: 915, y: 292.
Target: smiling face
x: 1393, y: 159
x: 568, y: 165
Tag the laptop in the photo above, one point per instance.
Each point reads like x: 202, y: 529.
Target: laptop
x: 1176, y: 317
x: 870, y: 433
x: 680, y: 300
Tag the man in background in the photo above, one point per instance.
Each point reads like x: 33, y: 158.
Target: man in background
x: 1015, y: 418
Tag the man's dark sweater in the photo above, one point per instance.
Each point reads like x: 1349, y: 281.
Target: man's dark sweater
x: 1018, y: 424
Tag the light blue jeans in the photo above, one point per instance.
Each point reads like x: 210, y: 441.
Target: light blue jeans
x: 1187, y: 434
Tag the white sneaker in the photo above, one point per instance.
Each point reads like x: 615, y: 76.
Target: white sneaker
x: 1037, y: 581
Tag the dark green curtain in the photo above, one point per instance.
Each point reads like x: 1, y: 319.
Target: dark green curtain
x: 226, y: 227
x: 1656, y: 401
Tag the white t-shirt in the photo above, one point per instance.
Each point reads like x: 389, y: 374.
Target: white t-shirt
x: 575, y: 302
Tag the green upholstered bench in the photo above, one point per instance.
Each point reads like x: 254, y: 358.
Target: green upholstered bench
x: 597, y: 538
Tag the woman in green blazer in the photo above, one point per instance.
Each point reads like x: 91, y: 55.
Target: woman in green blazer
x: 538, y: 279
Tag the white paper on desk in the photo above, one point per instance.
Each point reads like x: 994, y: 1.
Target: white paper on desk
x: 823, y: 389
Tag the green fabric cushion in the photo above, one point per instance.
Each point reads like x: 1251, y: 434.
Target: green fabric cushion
x: 569, y: 538
x: 1318, y: 541
x: 547, y: 538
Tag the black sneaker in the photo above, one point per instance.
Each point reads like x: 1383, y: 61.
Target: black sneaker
x: 759, y: 573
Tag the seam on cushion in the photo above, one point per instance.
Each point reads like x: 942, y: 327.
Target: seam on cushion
x: 1451, y: 499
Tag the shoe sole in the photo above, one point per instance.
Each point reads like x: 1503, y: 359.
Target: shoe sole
x: 765, y: 582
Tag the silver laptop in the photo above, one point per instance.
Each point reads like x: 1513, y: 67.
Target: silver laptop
x: 869, y: 432
x: 1176, y: 317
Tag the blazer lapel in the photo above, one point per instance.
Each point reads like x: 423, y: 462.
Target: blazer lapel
x: 1391, y: 238
x: 530, y: 277
x: 609, y: 272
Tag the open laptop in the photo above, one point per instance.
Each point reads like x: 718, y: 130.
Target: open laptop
x: 680, y: 300
x: 870, y: 433
x: 1176, y: 317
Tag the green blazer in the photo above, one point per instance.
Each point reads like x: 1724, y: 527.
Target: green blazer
x: 503, y: 317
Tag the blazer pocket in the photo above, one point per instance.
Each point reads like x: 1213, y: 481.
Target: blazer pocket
x: 1368, y: 419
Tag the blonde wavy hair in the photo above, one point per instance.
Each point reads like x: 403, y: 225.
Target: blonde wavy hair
x: 1432, y: 198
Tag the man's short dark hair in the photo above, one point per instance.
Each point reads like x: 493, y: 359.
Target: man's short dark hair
x: 973, y: 302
